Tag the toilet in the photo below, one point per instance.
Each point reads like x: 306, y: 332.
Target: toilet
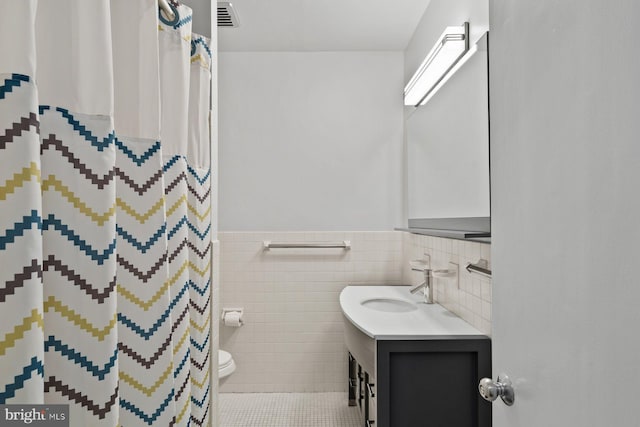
x: 226, y: 365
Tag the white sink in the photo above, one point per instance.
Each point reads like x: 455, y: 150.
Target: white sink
x: 392, y: 313
x: 389, y: 305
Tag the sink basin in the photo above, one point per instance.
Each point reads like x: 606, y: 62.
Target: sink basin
x: 392, y: 313
x: 389, y: 305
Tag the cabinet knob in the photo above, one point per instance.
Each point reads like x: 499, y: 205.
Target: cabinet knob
x: 490, y: 390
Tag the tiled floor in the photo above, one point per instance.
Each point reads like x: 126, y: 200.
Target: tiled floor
x: 287, y: 410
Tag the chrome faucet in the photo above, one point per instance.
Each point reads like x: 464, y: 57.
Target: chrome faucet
x: 426, y: 286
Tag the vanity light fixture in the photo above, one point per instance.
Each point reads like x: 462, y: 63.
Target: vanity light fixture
x: 441, y: 62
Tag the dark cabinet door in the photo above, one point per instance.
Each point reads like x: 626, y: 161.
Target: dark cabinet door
x: 433, y: 382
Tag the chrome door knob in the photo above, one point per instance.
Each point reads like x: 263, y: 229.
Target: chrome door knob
x: 490, y: 390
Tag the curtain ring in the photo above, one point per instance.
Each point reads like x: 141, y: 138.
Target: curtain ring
x: 176, y: 15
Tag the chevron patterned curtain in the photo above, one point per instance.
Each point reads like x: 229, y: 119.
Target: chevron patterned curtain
x: 105, y: 249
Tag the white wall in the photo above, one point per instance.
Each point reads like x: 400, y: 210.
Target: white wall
x: 310, y: 141
x: 215, y: 244
x: 565, y: 103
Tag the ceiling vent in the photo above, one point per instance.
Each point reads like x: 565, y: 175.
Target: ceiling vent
x: 226, y: 15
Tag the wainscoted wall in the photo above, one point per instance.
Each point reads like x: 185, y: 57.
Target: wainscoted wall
x: 292, y: 340
x: 471, y: 299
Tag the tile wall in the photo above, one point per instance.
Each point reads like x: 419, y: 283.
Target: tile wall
x: 470, y: 297
x: 292, y: 338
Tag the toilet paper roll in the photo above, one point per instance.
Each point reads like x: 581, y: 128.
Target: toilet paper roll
x: 233, y: 319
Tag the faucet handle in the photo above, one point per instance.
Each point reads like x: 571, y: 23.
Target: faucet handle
x: 419, y: 265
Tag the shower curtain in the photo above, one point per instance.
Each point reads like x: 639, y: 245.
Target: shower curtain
x: 105, y: 211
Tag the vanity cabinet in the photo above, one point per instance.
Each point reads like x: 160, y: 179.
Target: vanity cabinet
x: 427, y: 382
x: 415, y: 368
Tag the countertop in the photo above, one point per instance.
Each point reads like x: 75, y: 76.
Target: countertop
x: 428, y: 321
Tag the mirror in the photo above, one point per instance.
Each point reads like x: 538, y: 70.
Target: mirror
x: 448, y: 149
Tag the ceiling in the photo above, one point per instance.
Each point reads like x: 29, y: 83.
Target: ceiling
x: 321, y: 25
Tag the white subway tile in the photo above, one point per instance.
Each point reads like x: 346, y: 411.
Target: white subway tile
x: 294, y: 341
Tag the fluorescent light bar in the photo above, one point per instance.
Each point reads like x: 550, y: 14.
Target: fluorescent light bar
x: 451, y: 72
x: 450, y: 47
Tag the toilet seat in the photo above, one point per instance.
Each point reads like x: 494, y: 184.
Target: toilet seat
x: 226, y: 365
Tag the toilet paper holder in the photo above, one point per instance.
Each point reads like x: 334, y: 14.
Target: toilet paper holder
x: 226, y: 311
